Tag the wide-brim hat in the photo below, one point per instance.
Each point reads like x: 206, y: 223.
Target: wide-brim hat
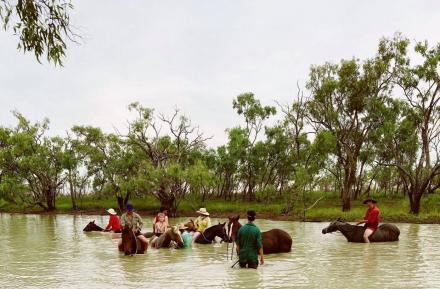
x: 111, y: 211
x: 370, y: 200
x: 203, y: 211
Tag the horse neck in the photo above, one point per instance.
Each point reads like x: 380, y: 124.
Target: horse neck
x: 348, y: 230
x: 210, y: 233
x: 237, y: 226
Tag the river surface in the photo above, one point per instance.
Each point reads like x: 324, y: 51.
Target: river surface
x: 38, y: 251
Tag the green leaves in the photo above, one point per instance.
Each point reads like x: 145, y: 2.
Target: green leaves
x: 43, y: 26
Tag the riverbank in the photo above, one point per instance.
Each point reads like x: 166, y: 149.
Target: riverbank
x: 328, y: 208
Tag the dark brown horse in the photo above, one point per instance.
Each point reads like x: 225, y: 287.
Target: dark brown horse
x: 274, y: 241
x: 130, y: 243
x: 208, y: 236
x: 92, y: 227
x: 384, y: 233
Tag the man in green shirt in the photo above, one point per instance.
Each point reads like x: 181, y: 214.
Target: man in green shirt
x: 250, y: 243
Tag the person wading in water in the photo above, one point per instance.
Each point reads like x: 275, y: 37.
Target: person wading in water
x: 250, y: 243
x: 134, y: 221
x: 371, y: 219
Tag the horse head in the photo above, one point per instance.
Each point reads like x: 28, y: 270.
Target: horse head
x: 91, y: 226
x: 176, y: 236
x: 232, y: 228
x: 220, y: 231
x: 333, y: 226
x: 128, y: 240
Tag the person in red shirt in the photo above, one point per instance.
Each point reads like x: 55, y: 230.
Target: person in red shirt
x: 371, y: 218
x: 113, y: 223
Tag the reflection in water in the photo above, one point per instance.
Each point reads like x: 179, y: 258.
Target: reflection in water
x: 53, y: 252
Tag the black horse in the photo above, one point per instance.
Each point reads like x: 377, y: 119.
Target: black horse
x: 208, y: 236
x: 92, y: 227
x: 384, y: 233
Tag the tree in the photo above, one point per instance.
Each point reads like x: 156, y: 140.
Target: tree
x: 416, y: 136
x: 347, y: 100
x: 43, y: 26
x: 37, y: 160
x: 254, y: 114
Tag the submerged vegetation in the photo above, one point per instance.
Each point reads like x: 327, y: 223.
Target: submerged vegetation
x: 358, y: 128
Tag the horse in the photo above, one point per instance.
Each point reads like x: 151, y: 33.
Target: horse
x: 353, y: 233
x: 92, y: 227
x: 168, y: 239
x: 274, y: 241
x: 214, y: 231
x: 130, y: 243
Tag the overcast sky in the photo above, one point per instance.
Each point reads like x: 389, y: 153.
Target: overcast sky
x: 196, y: 55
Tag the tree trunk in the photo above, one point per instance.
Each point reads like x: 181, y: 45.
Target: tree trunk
x: 349, y: 179
x: 72, y: 192
x: 415, y: 202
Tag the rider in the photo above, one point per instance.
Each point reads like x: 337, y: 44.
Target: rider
x: 134, y: 221
x: 371, y: 218
x: 161, y: 225
x: 164, y: 211
x: 113, y: 222
x: 202, y: 223
x: 250, y: 243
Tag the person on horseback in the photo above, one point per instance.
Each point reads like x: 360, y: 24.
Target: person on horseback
x: 161, y: 225
x: 135, y: 222
x: 249, y: 243
x: 371, y: 218
x: 113, y: 222
x: 202, y: 223
x: 163, y: 211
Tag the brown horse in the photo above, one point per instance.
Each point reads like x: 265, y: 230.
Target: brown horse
x: 171, y: 238
x: 384, y: 233
x: 130, y: 243
x: 274, y: 241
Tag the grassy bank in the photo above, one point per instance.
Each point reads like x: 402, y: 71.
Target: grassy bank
x: 328, y: 208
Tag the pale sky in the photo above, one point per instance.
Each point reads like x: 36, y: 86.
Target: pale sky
x: 197, y: 56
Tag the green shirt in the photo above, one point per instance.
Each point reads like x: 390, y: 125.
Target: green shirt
x: 250, y: 241
x: 134, y: 222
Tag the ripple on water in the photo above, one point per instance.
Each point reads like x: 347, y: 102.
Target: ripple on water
x: 53, y: 252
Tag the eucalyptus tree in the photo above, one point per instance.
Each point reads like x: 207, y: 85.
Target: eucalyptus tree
x: 347, y: 99
x: 416, y: 137
x: 43, y: 26
x: 165, y: 158
x: 37, y: 161
x: 254, y: 114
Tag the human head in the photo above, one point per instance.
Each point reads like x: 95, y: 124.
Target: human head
x: 251, y: 215
x: 130, y: 208
x: 371, y: 203
x: 161, y: 217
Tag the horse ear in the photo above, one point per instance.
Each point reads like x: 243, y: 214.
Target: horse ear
x: 93, y: 221
x: 238, y: 217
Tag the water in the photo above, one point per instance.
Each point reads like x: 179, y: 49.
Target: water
x: 53, y: 252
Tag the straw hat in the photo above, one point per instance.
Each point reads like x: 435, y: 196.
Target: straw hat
x: 203, y: 211
x: 111, y: 211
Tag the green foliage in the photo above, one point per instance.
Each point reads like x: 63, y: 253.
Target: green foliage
x: 41, y: 25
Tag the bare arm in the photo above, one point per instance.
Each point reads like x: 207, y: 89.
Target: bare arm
x: 260, y: 252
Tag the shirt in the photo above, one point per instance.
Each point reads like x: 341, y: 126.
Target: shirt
x: 113, y: 223
x: 250, y: 241
x: 202, y: 223
x: 372, y: 217
x: 135, y: 221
